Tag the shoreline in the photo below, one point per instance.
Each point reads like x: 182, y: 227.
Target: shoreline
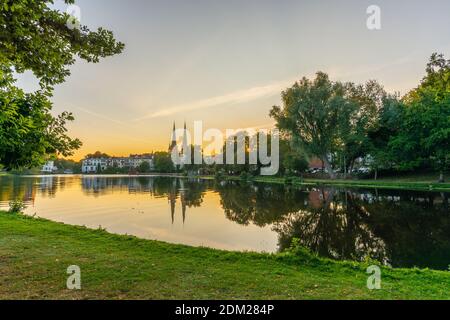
x: 393, y: 184
x: 370, y: 184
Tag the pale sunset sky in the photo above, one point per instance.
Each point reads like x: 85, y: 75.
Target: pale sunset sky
x: 226, y: 61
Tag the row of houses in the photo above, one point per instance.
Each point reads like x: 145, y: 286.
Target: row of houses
x: 92, y: 165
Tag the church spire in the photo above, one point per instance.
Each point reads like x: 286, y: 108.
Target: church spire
x: 173, y: 143
x: 185, y: 146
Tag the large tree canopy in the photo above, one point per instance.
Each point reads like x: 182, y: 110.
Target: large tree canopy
x: 37, y: 38
x: 28, y: 131
x: 424, y: 135
x: 315, y: 114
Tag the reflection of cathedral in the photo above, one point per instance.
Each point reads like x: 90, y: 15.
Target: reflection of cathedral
x: 174, y: 189
x: 172, y: 197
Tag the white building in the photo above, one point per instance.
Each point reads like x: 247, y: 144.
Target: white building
x: 91, y: 165
x: 49, y: 167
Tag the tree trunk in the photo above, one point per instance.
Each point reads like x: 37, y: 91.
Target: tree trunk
x: 441, y: 177
x: 376, y: 174
x: 345, y: 168
x: 350, y: 170
x: 327, y: 165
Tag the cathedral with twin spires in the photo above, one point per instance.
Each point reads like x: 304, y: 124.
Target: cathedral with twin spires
x: 183, y: 154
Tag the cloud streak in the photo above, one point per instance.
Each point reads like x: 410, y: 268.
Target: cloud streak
x: 100, y: 116
x: 259, y: 92
x: 230, y: 98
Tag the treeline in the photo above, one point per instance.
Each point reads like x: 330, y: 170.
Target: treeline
x: 342, y: 123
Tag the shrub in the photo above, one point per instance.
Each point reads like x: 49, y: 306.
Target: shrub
x: 300, y: 252
x: 16, y: 206
x: 246, y: 176
x: 219, y: 175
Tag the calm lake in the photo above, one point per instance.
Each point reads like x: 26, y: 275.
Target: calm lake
x: 399, y: 228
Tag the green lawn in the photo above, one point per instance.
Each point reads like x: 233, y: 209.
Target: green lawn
x: 35, y: 253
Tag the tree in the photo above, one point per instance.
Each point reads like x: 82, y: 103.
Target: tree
x: 67, y: 164
x: 163, y: 162
x: 97, y: 155
x: 389, y: 123
x: 314, y: 114
x: 37, y: 38
x: 368, y: 100
x: 291, y: 160
x: 144, y: 167
x: 28, y: 131
x: 192, y: 167
x: 424, y: 135
x: 237, y: 143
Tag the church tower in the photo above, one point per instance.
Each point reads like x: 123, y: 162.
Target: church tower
x: 185, y: 145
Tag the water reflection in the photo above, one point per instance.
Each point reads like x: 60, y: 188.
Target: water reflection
x: 401, y: 228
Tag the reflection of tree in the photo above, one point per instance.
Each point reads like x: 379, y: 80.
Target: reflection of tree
x: 332, y: 228
x: 260, y: 204
x: 401, y: 228
x: 415, y: 227
x: 25, y: 188
x: 320, y: 219
x: 194, y: 192
x: 15, y: 188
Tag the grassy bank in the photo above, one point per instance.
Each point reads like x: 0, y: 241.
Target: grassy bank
x: 405, y: 183
x: 35, y: 253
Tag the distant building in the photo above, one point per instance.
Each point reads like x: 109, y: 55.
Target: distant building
x: 91, y: 165
x: 316, y: 163
x: 49, y: 167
